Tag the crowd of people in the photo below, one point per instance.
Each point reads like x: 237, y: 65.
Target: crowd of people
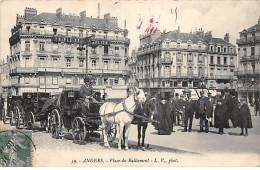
x: 211, y: 111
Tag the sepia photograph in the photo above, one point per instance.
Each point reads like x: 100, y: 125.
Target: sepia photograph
x: 120, y: 83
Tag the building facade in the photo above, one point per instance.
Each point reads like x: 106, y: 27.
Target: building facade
x: 249, y: 62
x: 176, y: 60
x: 5, y: 87
x: 45, y: 54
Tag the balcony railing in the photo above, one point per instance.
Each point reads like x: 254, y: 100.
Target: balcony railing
x: 166, y: 60
x: 255, y: 39
x: 247, y: 72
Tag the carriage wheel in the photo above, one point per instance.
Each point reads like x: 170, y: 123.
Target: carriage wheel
x: 111, y: 132
x: 48, y: 124
x: 55, y: 124
x: 18, y: 118
x: 78, y: 130
x: 30, y: 121
x: 4, y: 116
x: 12, y: 121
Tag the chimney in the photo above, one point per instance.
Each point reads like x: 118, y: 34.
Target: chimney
x: 208, y: 36
x: 29, y: 13
x: 82, y: 16
x: 226, y: 37
x: 200, y: 33
x: 59, y: 13
x: 19, y: 18
x: 111, y: 21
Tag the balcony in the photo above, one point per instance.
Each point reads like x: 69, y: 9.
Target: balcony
x: 23, y: 70
x: 166, y: 61
x: 223, y: 76
x: 248, y: 40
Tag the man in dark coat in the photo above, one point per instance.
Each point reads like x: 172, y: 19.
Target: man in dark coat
x: 244, y: 117
x: 234, y: 108
x: 179, y: 108
x: 220, y: 114
x: 173, y: 106
x: 212, y: 102
x: 87, y: 92
x: 165, y: 125
x: 189, y: 112
x: 204, y: 112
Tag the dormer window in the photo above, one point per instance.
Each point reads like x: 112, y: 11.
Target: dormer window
x: 219, y: 49
x: 211, y: 48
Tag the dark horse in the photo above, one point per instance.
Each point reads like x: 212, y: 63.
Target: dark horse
x: 147, y: 110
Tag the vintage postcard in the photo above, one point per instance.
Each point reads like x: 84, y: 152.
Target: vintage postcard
x: 142, y: 83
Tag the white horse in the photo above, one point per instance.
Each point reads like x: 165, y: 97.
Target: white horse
x: 120, y: 114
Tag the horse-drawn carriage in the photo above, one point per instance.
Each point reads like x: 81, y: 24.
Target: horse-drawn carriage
x: 71, y: 112
x: 30, y: 113
x: 14, y: 104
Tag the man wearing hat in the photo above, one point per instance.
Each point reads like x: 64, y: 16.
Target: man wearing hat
x: 87, y: 91
x: 179, y: 108
x: 204, y: 112
x: 172, y: 102
x: 189, y: 111
x: 165, y: 124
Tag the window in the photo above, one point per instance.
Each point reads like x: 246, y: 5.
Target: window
x: 81, y: 63
x: 167, y: 71
x: 244, y: 50
x: 219, y: 49
x: 68, y: 81
x: 190, y: 71
x: 175, y: 84
x: 42, y: 46
x: 218, y: 59
x: 252, y: 51
x: 231, y: 50
x: 211, y: 48
x: 225, y: 49
x: 27, y: 45
x: 94, y: 64
x: 231, y: 61
x: 163, y: 83
x: 106, y: 64
x: 211, y: 59
x: 27, y: 62
x: 80, y: 33
x: 117, y: 51
x: 225, y: 60
x: 42, y: 62
x: 116, y: 81
x: 68, y: 32
x: 111, y: 82
x: 27, y: 80
x: 179, y: 57
x: 125, y: 51
x: 55, y: 31
x: 199, y: 47
x: 178, y: 45
x: 184, y: 84
x: 68, y: 62
x: 195, y: 84
x: 231, y: 70
x: 200, y: 58
x: 55, y: 80
x: 189, y: 57
x: 55, y: 62
x: 189, y: 47
x: 200, y: 71
x: 93, y: 50
x: 179, y: 69
x: 167, y: 56
x: 211, y: 72
x: 105, y: 81
x: 167, y: 44
x: 116, y: 65
x: 105, y: 50
x: 168, y: 83
x: 41, y: 30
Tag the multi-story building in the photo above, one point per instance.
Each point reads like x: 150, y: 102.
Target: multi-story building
x: 176, y: 60
x: 45, y: 53
x: 4, y: 78
x: 221, y: 62
x: 249, y: 62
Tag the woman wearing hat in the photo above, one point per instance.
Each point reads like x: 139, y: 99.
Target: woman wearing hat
x: 244, y: 117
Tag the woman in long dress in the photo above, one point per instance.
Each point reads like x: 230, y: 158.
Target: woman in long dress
x: 244, y: 117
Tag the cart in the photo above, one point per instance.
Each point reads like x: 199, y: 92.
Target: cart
x: 71, y: 113
x: 14, y: 104
x: 30, y: 113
